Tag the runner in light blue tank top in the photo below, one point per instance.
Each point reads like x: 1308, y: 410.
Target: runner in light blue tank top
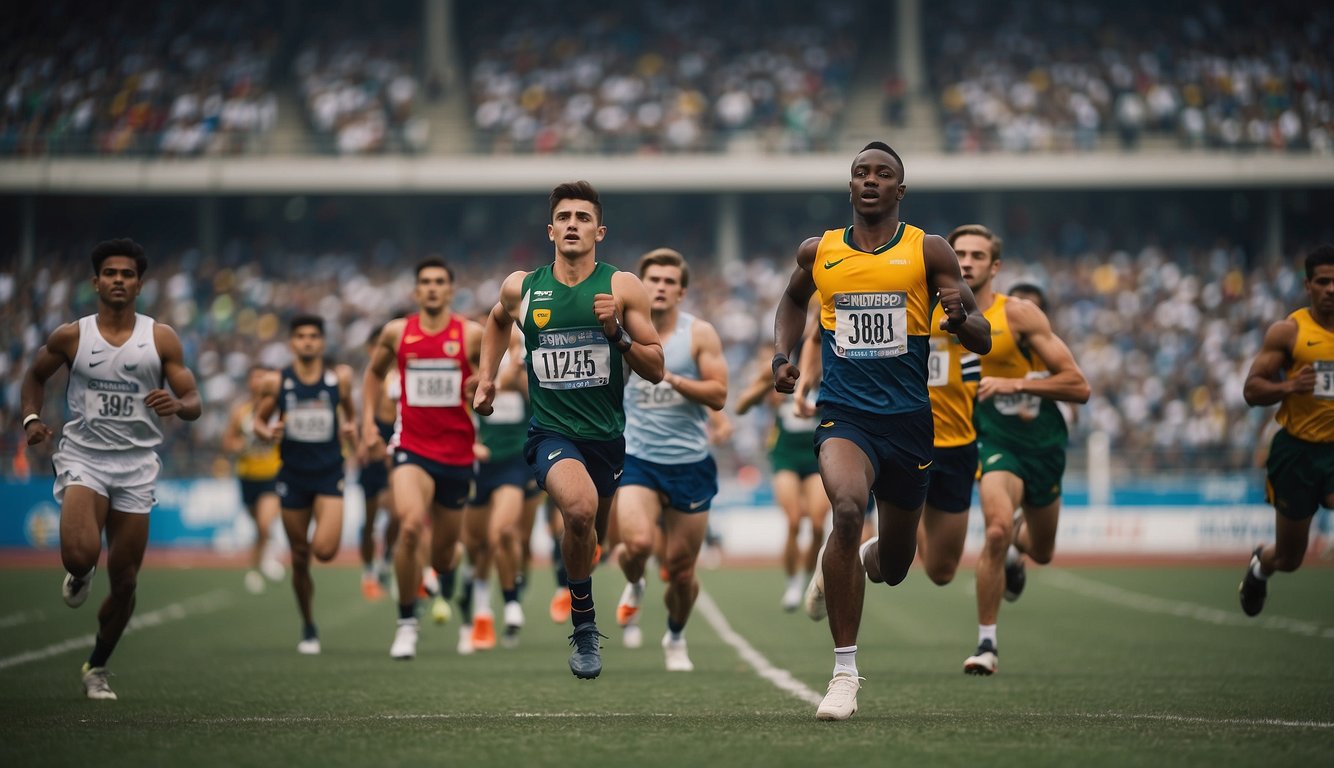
x: 670, y: 478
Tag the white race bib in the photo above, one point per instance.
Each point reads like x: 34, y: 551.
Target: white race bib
x: 508, y: 408
x: 938, y: 365
x: 112, y: 401
x: 309, y: 421
x: 1022, y: 404
x: 574, y: 358
x: 433, y: 383
x: 649, y: 396
x: 1324, y: 379
x: 873, y: 324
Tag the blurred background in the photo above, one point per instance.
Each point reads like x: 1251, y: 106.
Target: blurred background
x: 1160, y: 169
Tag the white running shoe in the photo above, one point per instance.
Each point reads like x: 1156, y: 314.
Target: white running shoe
x: 465, y: 640
x: 272, y: 569
x: 254, y: 582
x: 309, y: 647
x: 405, y: 640
x: 513, y: 623
x: 792, y: 596
x: 815, y: 607
x: 984, y: 662
x: 632, y: 636
x: 75, y: 589
x: 840, y: 701
x: 678, y: 659
x: 95, y: 683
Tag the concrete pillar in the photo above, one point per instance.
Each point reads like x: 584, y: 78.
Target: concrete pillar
x: 727, y: 230
x: 912, y: 57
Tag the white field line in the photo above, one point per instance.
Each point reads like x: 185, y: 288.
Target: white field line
x: 779, y: 677
x: 205, y: 603
x: 1152, y: 604
x: 11, y: 620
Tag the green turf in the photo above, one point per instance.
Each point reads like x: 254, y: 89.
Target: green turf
x: 1098, y: 667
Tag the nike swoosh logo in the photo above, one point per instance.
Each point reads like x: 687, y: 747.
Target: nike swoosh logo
x: 412, y: 339
x: 831, y: 264
x: 827, y: 424
x: 924, y: 466
x: 99, y: 350
x: 696, y: 504
x: 995, y: 458
x: 579, y: 597
x: 94, y: 365
x: 617, y: 475
x: 554, y: 454
x: 129, y: 367
x: 142, y: 344
x: 1312, y: 343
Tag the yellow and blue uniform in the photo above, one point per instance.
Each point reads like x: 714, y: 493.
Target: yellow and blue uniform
x: 875, y: 311
x: 258, y: 463
x: 953, y: 374
x: 1300, y: 468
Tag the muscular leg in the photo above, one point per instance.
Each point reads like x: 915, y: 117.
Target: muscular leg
x: 297, y: 523
x: 815, y: 507
x: 574, y: 494
x: 127, y: 538
x: 637, y: 510
x: 83, y: 515
x: 1037, y: 537
x: 506, y: 533
x: 1000, y: 493
x: 847, y: 480
x: 685, y: 535
x: 1289, y: 547
x: 328, y: 533
x: 940, y: 539
x: 446, y: 524
x: 788, y: 495
x: 889, y: 558
x: 413, y: 489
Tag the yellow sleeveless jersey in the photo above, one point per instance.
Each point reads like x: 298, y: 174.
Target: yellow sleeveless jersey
x: 1020, y: 420
x: 257, y: 461
x: 952, y: 375
x: 1311, y: 417
x: 875, y: 310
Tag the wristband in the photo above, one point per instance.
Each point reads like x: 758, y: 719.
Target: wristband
x: 621, y: 339
x: 30, y: 418
x: 779, y: 359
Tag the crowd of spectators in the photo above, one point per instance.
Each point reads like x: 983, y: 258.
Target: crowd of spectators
x: 659, y: 77
x: 1053, y: 75
x: 160, y: 78
x: 1164, y: 333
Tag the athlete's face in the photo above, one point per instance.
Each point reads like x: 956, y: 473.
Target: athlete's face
x: 877, y: 183
x: 663, y: 282
x: 434, y: 290
x: 575, y: 228
x: 975, y: 262
x: 307, y: 343
x: 1321, y: 289
x: 117, y: 282
x: 255, y: 381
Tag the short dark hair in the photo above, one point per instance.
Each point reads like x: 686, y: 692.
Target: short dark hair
x: 665, y: 257
x: 301, y: 321
x: 576, y: 190
x: 981, y: 231
x: 1039, y: 297
x: 123, y: 246
x: 883, y: 147
x: 434, y: 261
x: 1319, y: 257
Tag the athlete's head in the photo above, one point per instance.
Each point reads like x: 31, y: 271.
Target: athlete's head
x: 255, y: 379
x: 576, y: 219
x: 979, y: 252
x: 1320, y: 278
x: 434, y: 290
x: 120, y: 247
x: 306, y: 337
x: 877, y: 185
x: 1030, y: 291
x: 1319, y: 256
x: 665, y: 275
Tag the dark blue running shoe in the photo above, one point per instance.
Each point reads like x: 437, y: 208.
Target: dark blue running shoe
x: 586, y: 658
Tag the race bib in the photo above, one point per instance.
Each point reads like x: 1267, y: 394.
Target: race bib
x: 1021, y: 404
x: 870, y: 325
x: 649, y: 396
x: 112, y: 400
x: 574, y: 358
x: 938, y: 366
x: 433, y: 383
x: 309, y: 421
x: 507, y: 408
x: 1324, y: 379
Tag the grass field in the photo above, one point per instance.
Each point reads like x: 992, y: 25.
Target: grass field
x: 1131, y: 666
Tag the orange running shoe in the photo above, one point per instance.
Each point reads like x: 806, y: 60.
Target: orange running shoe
x: 370, y: 587
x: 560, y: 605
x: 483, y: 632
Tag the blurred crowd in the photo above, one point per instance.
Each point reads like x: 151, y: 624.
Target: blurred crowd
x: 1044, y: 75
x: 125, y: 79
x: 658, y: 76
x: 1164, y: 334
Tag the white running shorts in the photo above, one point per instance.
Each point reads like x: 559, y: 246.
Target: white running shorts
x: 127, y: 478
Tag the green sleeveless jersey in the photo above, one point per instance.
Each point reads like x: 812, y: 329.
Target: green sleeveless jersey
x: 576, y: 378
x: 506, y: 430
x: 1017, y: 420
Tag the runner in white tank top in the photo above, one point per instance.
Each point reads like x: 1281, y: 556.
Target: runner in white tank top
x: 127, y: 373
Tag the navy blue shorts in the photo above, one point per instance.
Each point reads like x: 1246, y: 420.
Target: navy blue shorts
x: 953, y: 471
x: 687, y: 487
x: 453, y: 483
x: 251, y: 490
x: 497, y: 474
x: 604, y: 459
x: 898, y: 446
x: 297, y: 490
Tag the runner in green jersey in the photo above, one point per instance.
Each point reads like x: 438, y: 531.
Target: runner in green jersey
x: 583, y: 322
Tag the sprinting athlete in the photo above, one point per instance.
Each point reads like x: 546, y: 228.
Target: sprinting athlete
x: 257, y: 465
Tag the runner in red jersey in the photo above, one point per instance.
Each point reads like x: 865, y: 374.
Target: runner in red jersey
x: 436, y: 352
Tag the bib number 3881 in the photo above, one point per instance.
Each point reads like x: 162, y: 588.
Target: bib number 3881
x: 871, y: 324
